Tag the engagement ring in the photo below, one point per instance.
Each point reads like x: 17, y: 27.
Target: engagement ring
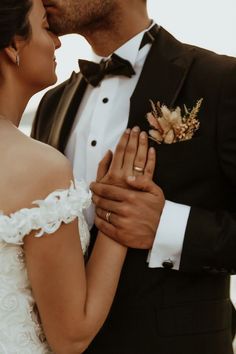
x: 108, y: 216
x: 138, y: 169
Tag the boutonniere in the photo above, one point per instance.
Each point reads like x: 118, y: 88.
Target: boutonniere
x: 169, y: 126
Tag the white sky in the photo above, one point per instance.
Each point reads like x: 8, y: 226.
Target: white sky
x: 207, y: 23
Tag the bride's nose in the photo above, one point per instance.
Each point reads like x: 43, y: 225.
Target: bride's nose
x: 56, y: 41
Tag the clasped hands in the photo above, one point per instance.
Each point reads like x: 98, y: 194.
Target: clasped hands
x: 128, y: 203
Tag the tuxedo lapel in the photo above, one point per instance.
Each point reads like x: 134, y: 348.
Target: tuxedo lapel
x: 162, y: 78
x: 66, y: 110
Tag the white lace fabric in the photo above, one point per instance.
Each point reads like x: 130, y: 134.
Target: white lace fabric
x: 20, y: 330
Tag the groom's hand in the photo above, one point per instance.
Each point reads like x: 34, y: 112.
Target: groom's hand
x: 134, y: 213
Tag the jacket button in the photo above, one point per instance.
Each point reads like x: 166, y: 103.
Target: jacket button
x: 168, y: 264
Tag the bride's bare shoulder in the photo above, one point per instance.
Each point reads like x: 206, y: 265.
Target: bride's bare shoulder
x: 47, y: 164
x: 32, y: 170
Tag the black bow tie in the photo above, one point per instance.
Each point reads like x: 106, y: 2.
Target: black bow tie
x: 94, y: 73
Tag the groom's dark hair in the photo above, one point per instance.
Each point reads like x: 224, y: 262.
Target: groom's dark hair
x: 14, y: 20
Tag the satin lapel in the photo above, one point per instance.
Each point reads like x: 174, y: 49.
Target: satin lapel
x: 63, y: 117
x: 162, y: 78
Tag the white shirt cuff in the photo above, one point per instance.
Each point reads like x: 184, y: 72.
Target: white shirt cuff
x: 169, y: 238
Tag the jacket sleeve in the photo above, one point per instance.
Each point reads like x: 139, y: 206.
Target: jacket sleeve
x: 210, y: 237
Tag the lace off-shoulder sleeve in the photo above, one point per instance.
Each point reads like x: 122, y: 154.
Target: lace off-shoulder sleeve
x: 60, y: 206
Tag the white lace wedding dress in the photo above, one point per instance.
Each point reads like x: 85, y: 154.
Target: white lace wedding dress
x: 20, y: 330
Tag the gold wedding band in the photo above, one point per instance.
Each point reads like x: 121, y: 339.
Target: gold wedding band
x: 108, y: 217
x: 138, y: 169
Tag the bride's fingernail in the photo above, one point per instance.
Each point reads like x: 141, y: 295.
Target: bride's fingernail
x: 136, y: 129
x: 143, y: 135
x: 127, y: 131
x: 131, y: 178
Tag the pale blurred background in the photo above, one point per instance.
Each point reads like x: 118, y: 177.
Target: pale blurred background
x: 206, y: 23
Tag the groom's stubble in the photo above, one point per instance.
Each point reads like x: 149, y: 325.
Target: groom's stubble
x: 105, y: 24
x: 81, y: 16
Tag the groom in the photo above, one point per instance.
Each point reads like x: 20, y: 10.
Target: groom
x: 173, y: 296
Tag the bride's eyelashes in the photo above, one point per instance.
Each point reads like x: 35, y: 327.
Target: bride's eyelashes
x: 45, y: 23
x: 46, y: 26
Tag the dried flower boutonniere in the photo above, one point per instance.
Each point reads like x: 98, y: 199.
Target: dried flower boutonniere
x: 169, y: 126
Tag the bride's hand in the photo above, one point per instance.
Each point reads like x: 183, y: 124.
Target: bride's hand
x: 128, y: 203
x: 131, y: 158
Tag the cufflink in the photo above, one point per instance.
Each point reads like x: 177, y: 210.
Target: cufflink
x: 168, y: 264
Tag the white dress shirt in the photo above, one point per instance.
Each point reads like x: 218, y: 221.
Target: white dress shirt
x: 101, y: 119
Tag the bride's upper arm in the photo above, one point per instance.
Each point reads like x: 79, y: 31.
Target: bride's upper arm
x: 55, y: 266
x: 55, y: 261
x: 56, y: 270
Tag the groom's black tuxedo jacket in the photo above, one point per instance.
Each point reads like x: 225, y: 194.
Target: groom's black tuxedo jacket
x: 161, y: 311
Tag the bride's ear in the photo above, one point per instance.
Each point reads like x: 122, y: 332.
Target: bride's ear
x: 12, y: 52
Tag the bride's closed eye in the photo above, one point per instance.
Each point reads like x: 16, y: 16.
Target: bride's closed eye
x: 45, y: 23
x: 46, y: 26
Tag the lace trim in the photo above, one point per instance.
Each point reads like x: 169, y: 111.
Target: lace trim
x: 61, y: 206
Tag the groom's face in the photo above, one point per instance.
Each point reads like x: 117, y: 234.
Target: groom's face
x: 76, y: 16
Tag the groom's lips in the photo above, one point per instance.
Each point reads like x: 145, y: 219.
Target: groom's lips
x: 50, y: 8
x: 49, y: 4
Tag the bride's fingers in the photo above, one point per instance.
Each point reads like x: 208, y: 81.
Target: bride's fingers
x: 104, y: 165
x: 118, y: 156
x: 151, y: 163
x: 131, y: 151
x: 141, y: 156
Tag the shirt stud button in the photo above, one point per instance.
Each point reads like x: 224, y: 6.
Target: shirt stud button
x: 93, y: 143
x: 168, y: 264
x: 105, y: 100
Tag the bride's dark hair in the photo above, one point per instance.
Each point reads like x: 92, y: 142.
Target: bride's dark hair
x: 14, y: 20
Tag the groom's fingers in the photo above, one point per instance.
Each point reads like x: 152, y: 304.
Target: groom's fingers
x: 106, y: 204
x: 108, y: 191
x: 144, y: 184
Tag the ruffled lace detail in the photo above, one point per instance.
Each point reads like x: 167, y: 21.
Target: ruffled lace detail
x: 20, y: 328
x: 61, y: 206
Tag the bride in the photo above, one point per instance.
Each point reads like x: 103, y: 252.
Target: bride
x: 41, y: 253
